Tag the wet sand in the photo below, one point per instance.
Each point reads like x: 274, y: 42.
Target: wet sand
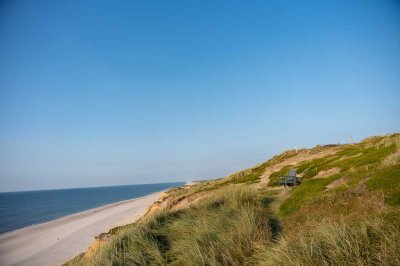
x: 57, y: 241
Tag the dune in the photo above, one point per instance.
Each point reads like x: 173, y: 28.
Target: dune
x: 57, y: 241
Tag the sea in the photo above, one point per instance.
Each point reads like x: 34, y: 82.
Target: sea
x: 21, y: 209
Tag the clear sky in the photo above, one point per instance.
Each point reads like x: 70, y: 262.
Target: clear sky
x: 96, y: 93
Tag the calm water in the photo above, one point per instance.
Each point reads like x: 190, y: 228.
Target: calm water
x: 20, y: 209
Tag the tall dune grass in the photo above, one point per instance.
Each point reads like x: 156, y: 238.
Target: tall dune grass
x: 223, y: 229
x: 371, y: 242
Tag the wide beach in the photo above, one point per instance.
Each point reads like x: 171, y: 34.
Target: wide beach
x: 57, y: 241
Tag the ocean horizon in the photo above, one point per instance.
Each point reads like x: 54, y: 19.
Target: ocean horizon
x: 24, y: 208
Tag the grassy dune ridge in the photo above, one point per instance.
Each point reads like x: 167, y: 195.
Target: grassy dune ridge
x: 345, y: 212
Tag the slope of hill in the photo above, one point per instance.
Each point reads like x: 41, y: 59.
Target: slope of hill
x: 345, y: 212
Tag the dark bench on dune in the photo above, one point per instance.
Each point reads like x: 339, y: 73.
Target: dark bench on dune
x: 290, y: 179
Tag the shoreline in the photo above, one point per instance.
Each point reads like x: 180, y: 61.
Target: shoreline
x: 57, y: 241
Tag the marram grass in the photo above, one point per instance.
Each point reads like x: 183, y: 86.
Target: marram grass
x: 223, y: 229
x: 371, y: 242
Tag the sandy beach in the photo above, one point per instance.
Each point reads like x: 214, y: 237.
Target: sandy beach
x: 57, y: 241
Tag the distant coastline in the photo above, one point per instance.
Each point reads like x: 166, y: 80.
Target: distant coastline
x: 55, y: 242
x: 26, y: 208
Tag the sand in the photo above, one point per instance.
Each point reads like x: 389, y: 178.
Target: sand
x: 57, y: 241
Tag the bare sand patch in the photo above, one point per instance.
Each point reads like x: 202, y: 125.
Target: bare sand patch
x: 329, y: 172
x: 336, y: 183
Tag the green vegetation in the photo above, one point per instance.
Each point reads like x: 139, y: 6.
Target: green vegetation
x: 345, y: 212
x: 308, y: 190
x: 388, y: 180
x: 356, y: 162
x: 223, y: 229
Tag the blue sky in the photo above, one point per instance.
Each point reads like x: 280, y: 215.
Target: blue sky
x: 97, y: 93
